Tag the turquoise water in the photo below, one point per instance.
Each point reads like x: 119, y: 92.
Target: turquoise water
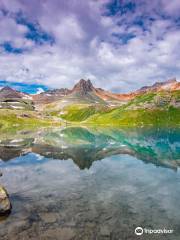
x: 89, y: 183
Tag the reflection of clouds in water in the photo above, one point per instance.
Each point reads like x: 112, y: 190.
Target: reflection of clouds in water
x: 138, y: 182
x: 120, y: 188
x: 109, y: 179
x: 45, y: 174
x: 38, y: 157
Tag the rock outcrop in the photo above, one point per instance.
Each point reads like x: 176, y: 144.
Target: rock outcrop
x: 5, y: 205
x: 83, y: 86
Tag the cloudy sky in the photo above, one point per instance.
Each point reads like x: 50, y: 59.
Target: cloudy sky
x: 120, y: 45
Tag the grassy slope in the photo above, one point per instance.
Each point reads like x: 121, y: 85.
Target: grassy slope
x: 74, y: 112
x: 138, y: 117
x: 80, y: 112
x: 134, y: 113
x: 146, y: 109
x: 13, y: 120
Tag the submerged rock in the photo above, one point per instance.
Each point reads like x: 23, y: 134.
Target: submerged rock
x: 5, y: 205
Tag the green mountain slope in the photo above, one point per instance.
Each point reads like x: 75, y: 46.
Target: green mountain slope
x: 74, y: 112
x: 138, y: 117
x: 160, y: 108
x: 12, y: 120
x: 84, y: 98
x: 80, y: 112
x: 155, y: 105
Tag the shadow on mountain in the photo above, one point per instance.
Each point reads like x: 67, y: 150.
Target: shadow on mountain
x: 86, y: 145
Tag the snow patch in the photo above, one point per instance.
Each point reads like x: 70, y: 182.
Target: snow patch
x: 17, y: 107
x: 39, y: 90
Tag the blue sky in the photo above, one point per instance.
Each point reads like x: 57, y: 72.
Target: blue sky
x: 24, y: 87
x: 121, y: 45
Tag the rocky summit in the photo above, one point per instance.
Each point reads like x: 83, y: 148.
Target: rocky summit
x: 83, y: 86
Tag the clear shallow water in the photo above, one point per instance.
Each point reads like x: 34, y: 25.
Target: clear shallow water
x: 79, y: 183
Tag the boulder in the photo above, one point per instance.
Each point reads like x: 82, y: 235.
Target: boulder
x: 5, y: 205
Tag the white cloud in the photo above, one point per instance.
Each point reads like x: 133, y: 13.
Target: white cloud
x: 10, y: 30
x: 171, y: 7
x: 39, y: 90
x: 84, y: 48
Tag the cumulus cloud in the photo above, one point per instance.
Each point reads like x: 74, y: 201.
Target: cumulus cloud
x: 119, y: 45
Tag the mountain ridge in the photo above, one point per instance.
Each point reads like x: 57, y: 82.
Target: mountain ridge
x: 85, y: 87
x: 157, y: 104
x: 142, y: 107
x: 171, y: 84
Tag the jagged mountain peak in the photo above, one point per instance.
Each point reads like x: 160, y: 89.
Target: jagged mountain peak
x: 83, y: 86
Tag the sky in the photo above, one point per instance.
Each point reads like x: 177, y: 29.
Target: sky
x: 120, y: 45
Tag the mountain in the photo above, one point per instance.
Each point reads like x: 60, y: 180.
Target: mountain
x: 169, y: 85
x: 84, y: 92
x: 81, y: 102
x: 155, y: 104
x: 8, y: 92
x: 12, y: 99
x: 158, y: 107
x: 83, y: 87
x: 112, y: 98
x: 50, y: 96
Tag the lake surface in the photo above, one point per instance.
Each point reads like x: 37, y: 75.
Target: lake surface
x: 87, y: 183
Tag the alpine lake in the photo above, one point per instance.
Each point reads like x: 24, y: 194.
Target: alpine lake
x: 88, y: 183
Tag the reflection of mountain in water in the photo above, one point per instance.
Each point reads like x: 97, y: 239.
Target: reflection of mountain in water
x: 84, y: 146
x: 14, y: 148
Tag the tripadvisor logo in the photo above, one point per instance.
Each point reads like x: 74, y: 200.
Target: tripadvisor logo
x: 139, y: 231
